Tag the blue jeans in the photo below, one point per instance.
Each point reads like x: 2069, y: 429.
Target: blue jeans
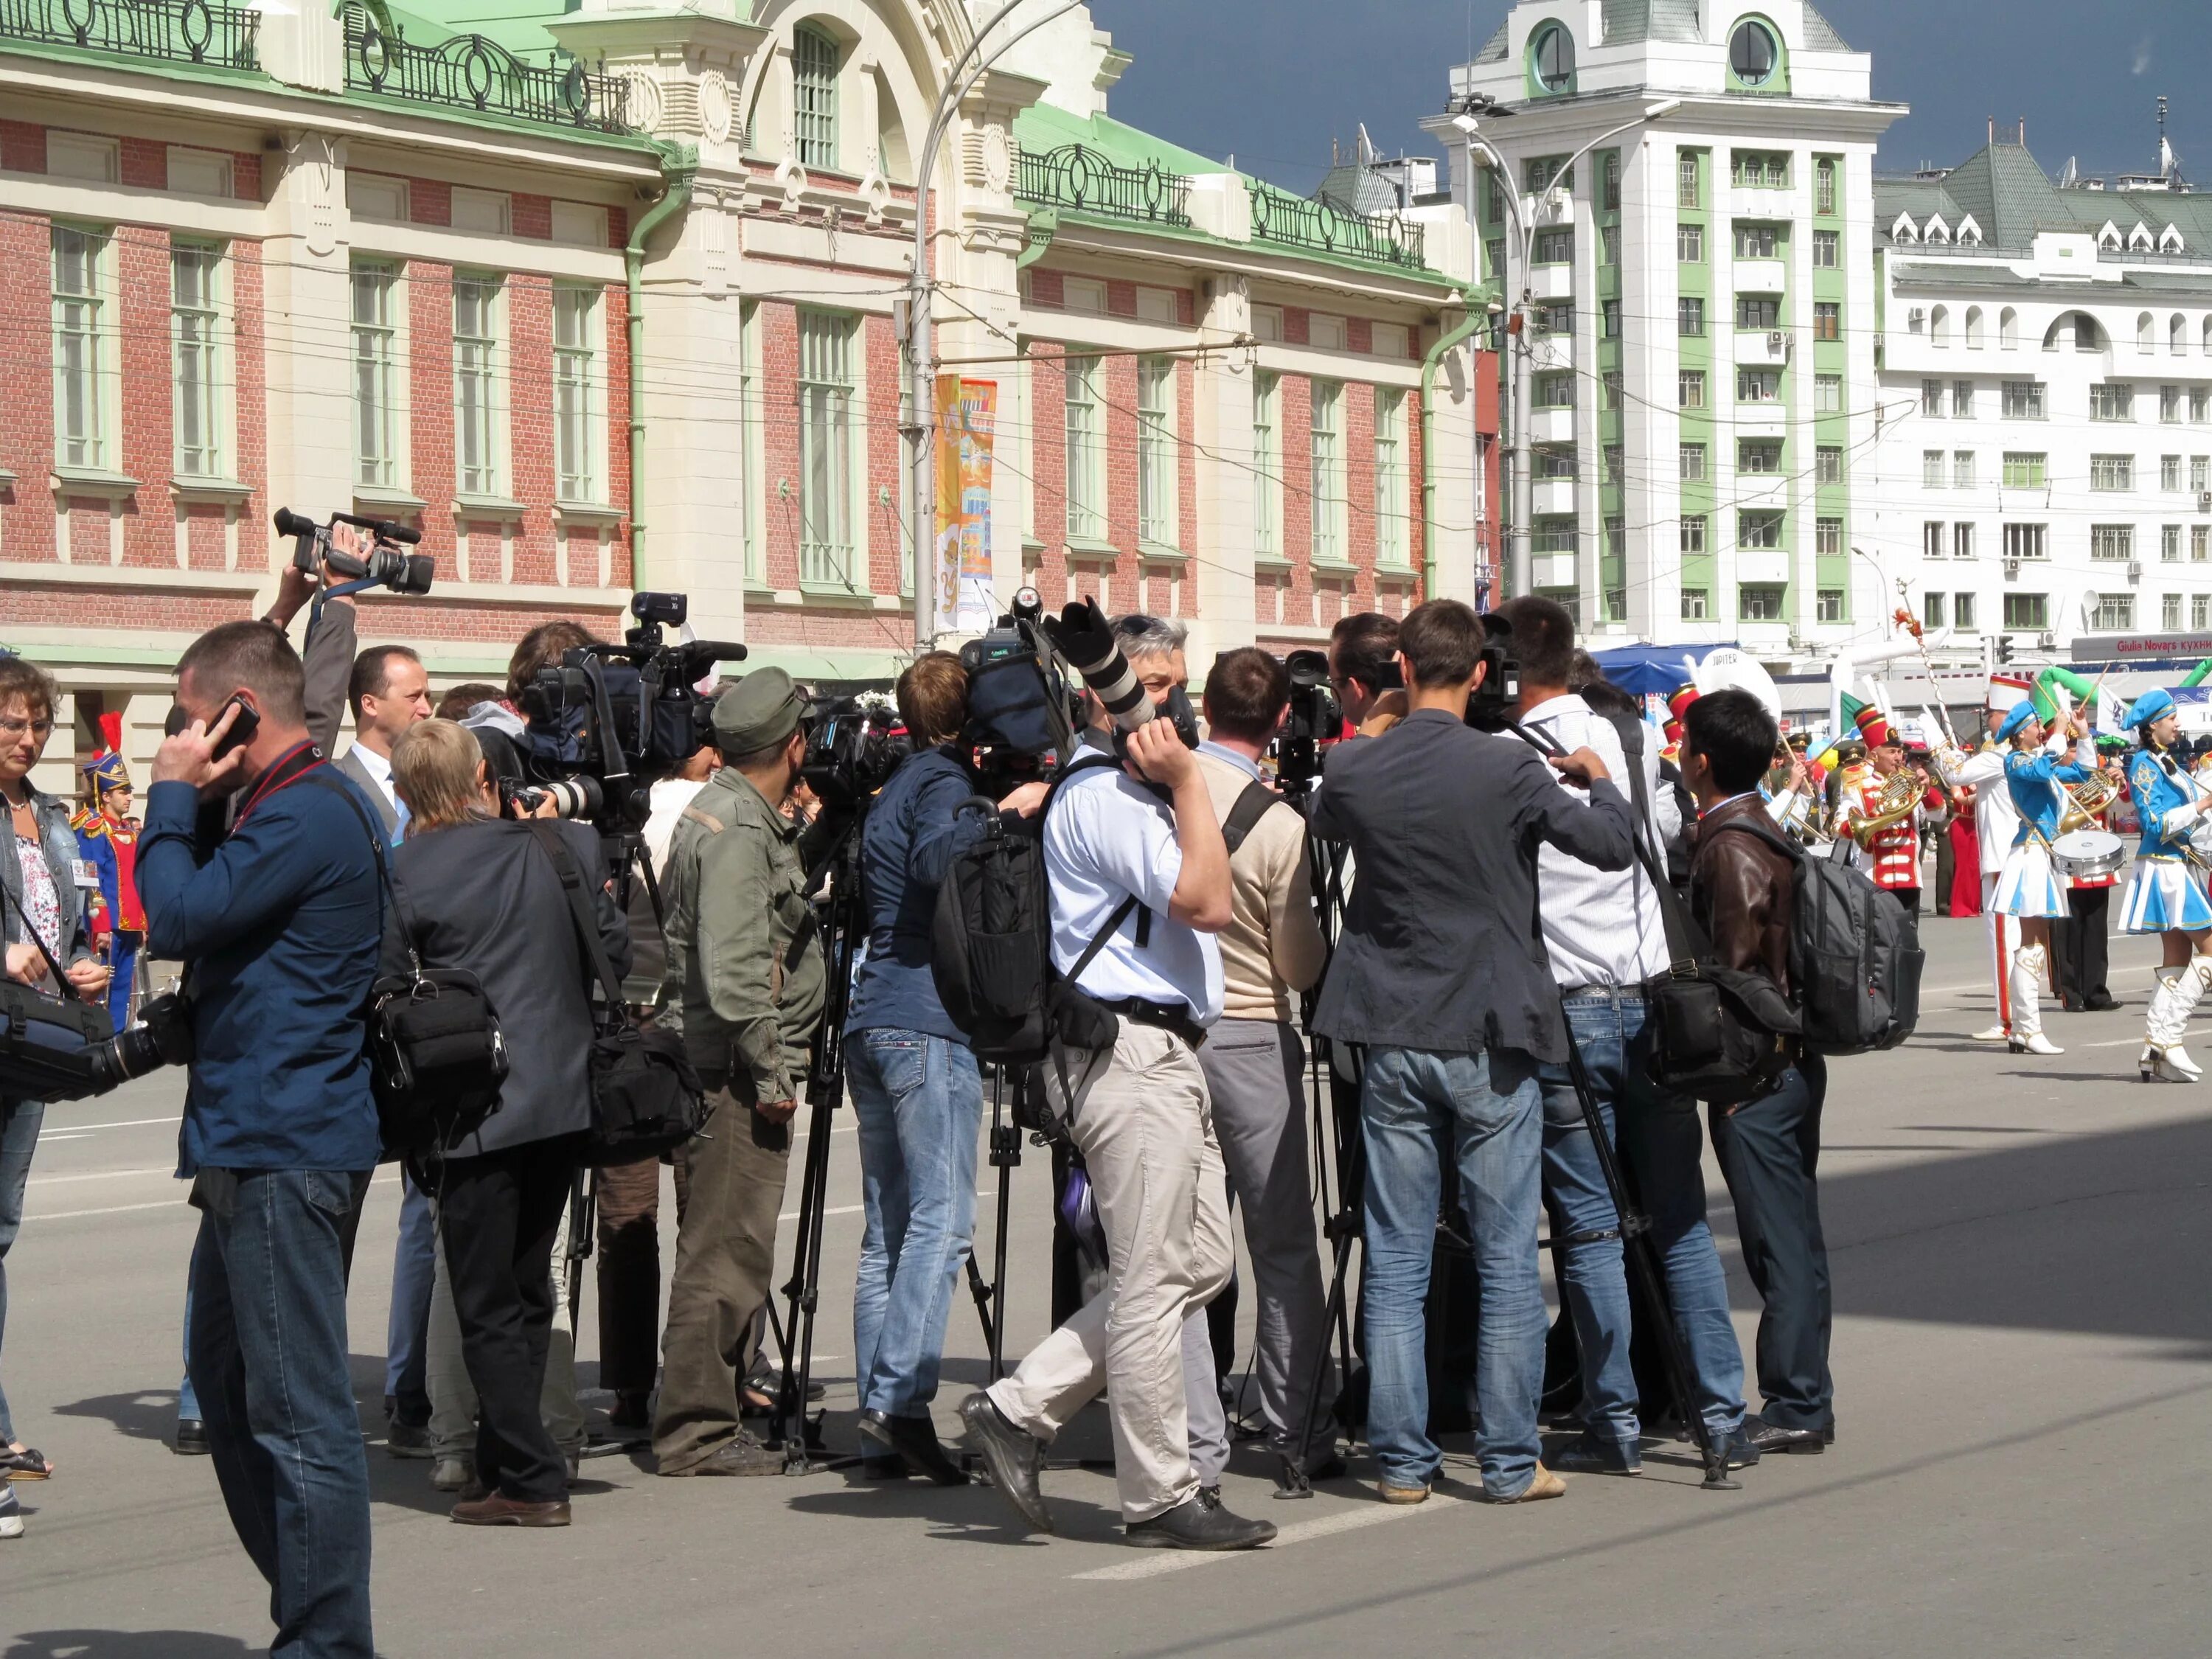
x: 188, y: 1400
x: 406, y: 1334
x: 19, y: 1139
x: 1484, y: 1112
x: 919, y: 1101
x: 1660, y: 1140
x: 269, y: 1362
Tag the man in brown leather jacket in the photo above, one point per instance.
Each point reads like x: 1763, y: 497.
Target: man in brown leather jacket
x: 1741, y: 894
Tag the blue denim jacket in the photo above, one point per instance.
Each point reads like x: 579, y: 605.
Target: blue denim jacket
x: 280, y: 924
x: 910, y: 841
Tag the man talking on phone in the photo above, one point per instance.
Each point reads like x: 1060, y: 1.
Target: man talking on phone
x: 277, y: 920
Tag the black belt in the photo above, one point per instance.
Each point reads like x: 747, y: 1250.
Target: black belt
x: 1172, y: 1017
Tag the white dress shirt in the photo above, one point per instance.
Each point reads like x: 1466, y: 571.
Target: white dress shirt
x: 1602, y: 928
x: 1105, y: 838
x: 378, y: 767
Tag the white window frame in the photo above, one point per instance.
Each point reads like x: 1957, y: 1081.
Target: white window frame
x: 817, y: 70
x: 1083, y: 431
x: 480, y: 404
x: 379, y: 424
x: 1155, y: 453
x: 580, y: 399
x: 752, y: 453
x: 2111, y: 544
x: 830, y: 549
x: 198, y: 364
x: 84, y: 349
x: 1326, y: 438
x: 1267, y: 464
x: 1393, y: 494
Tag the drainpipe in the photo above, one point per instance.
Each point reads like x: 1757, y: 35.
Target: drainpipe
x: 1476, y: 318
x: 679, y: 166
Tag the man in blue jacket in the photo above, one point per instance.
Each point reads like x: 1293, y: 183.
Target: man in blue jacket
x: 278, y: 920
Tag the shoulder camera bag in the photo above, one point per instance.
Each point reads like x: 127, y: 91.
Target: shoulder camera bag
x: 45, y: 1040
x: 647, y: 1098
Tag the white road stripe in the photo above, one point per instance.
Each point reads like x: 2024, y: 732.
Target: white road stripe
x: 101, y: 1175
x: 1370, y: 1515
x: 133, y: 1123
x: 176, y: 1203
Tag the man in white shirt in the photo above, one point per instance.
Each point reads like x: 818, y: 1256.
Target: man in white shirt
x: 390, y: 692
x: 1145, y: 879
x: 1997, y: 821
x: 1606, y: 939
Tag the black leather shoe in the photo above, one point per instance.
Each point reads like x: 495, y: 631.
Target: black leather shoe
x: 1767, y: 1436
x: 1588, y: 1454
x: 1196, y: 1525
x: 915, y: 1439
x: 191, y: 1439
x: 1014, y: 1457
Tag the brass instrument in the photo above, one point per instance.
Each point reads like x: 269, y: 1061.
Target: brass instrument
x: 1899, y: 793
x: 2086, y: 802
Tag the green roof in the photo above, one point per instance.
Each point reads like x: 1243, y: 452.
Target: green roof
x: 1042, y: 127
x: 2011, y: 198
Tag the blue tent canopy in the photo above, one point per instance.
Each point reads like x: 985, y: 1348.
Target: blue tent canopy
x: 1652, y: 670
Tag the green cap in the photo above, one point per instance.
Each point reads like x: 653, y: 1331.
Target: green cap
x: 759, y: 712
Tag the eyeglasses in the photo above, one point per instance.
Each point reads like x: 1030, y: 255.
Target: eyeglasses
x: 40, y: 729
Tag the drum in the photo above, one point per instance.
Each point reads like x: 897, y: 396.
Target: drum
x: 2085, y: 854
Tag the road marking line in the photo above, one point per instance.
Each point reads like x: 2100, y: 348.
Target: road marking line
x: 101, y: 1175
x: 177, y: 1202
x: 1370, y: 1515
x: 134, y: 1123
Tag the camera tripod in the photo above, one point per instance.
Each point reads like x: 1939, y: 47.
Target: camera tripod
x: 1005, y: 1157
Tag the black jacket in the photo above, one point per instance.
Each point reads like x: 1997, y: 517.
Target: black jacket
x: 484, y: 896
x: 1442, y: 948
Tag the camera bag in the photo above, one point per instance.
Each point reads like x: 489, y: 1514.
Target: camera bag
x: 647, y: 1098
x: 44, y: 1039
x: 436, y: 1057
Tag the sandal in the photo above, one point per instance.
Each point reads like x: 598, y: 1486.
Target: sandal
x: 28, y: 1464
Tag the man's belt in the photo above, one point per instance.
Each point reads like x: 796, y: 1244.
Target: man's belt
x: 1172, y: 1017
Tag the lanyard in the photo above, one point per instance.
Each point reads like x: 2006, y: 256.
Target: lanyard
x: 282, y: 771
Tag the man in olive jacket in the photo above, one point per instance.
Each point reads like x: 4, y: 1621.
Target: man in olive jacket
x: 750, y: 1000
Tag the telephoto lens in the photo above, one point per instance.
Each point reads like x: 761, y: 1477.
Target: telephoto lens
x: 163, y: 1036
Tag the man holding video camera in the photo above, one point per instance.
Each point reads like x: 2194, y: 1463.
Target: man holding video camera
x: 746, y: 979
x: 1440, y: 972
x: 279, y: 923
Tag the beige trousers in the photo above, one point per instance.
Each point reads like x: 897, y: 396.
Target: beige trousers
x: 1144, y: 1125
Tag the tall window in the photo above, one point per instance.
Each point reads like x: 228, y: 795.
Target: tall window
x: 1268, y: 466
x: 2112, y: 400
x: 1690, y: 388
x: 814, y: 93
x: 375, y: 376
x: 1156, y: 452
x: 1390, y: 482
x: 1689, y: 315
x: 1827, y: 250
x: 825, y: 448
x: 82, y: 348
x: 1962, y: 469
x: 2023, y: 400
x: 1686, y: 178
x: 1087, y: 452
x: 2169, y: 544
x: 1692, y: 459
x: 1328, y: 489
x: 1824, y: 185
x: 1828, y: 538
x: 1931, y: 469
x: 1828, y: 320
x: 2169, y: 472
x: 1962, y: 400
x: 576, y: 393
x: 751, y: 453
x: 1828, y: 465
x: 476, y: 353
x: 1828, y: 395
x: 192, y: 323
x: 1690, y: 244
x: 1931, y: 537
x: 1694, y: 534
x: 1962, y: 541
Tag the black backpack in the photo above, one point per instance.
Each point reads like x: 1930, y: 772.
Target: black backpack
x: 1854, y: 964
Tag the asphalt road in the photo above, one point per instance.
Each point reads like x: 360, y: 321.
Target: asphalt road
x: 2023, y: 1352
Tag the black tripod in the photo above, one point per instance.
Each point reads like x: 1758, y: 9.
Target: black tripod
x: 1005, y: 1158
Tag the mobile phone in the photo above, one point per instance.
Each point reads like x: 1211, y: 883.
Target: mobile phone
x: 242, y: 729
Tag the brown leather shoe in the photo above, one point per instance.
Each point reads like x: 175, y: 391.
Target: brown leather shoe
x: 1544, y: 1484
x: 498, y: 1509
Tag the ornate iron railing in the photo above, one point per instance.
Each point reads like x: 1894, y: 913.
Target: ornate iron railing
x: 1078, y: 178
x: 470, y: 72
x: 178, y: 31
x: 1295, y: 221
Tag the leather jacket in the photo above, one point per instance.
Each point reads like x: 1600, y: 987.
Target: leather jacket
x: 1741, y: 893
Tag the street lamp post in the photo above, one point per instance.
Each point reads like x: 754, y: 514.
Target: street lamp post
x: 1518, y: 458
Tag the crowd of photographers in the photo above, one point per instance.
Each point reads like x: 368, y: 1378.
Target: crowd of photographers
x: 1473, y: 970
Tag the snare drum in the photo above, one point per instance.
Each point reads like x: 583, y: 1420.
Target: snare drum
x: 2087, y: 854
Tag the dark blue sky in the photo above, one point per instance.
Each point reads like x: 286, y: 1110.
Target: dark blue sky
x: 1273, y: 80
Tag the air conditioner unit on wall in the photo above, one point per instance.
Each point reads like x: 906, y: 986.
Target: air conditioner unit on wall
x: 2012, y: 569
x: 2204, y: 500
x: 2135, y: 570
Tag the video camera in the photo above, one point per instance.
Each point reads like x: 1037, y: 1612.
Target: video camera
x: 1316, y: 717
x: 1492, y: 707
x: 612, y: 720
x: 384, y: 566
x: 852, y: 750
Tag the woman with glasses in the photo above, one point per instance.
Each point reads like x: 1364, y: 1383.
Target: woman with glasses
x: 42, y: 906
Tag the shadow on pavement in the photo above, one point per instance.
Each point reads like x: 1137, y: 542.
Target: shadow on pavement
x: 124, y: 1645
x: 145, y: 1414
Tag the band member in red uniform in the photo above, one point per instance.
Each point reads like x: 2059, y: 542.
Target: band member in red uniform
x: 1891, y: 849
x: 107, y: 836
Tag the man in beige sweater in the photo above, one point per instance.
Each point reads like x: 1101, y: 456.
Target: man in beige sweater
x: 1254, y: 1060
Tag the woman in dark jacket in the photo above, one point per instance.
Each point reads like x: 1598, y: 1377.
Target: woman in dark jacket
x: 472, y: 892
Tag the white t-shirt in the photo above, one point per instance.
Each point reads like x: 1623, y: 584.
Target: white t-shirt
x: 1106, y: 837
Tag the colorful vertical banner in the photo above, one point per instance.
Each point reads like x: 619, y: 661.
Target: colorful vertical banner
x: 967, y: 416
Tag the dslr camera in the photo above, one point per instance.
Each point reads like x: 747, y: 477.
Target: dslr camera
x: 609, y: 721
x: 47, y: 1051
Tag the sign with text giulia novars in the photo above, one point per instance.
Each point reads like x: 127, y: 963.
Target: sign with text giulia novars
x: 2142, y: 647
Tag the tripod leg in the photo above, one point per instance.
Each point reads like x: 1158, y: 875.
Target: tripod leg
x: 804, y: 1291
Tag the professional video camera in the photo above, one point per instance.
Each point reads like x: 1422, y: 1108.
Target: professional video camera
x: 852, y: 750
x: 383, y: 566
x: 1491, y: 708
x: 1316, y: 717
x: 612, y: 720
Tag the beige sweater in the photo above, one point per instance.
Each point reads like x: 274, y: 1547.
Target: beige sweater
x: 1272, y: 948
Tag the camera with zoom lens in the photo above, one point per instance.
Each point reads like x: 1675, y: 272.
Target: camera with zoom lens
x: 163, y: 1036
x: 1492, y: 707
x: 48, y: 1051
x: 851, y: 750
x: 386, y: 564
x: 609, y: 721
x: 1316, y: 717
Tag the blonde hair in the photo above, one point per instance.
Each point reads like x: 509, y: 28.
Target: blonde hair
x: 433, y: 768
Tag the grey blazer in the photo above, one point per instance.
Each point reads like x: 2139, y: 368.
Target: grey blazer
x: 349, y: 764
x: 484, y: 896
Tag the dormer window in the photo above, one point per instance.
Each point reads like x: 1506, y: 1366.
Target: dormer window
x: 2139, y: 238
x: 1553, y: 56
x: 1753, y: 53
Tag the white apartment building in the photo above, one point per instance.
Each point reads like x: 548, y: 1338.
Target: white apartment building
x: 1697, y: 311
x: 2044, y: 463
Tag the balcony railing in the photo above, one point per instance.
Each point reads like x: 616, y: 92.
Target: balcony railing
x: 470, y: 72
x: 1295, y: 221
x: 1075, y: 178
x: 175, y: 30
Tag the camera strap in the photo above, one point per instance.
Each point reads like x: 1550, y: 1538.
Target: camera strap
x: 1686, y: 944
x: 31, y: 933
x: 322, y: 778
x: 580, y: 916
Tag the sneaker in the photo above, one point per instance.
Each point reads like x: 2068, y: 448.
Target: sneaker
x: 1196, y: 1524
x: 11, y: 1514
x: 1544, y: 1484
x: 1589, y: 1453
x: 453, y: 1473
x: 406, y: 1440
x: 1014, y: 1457
x: 741, y: 1455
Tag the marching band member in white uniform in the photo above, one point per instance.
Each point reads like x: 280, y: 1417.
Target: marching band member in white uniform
x: 2029, y: 888
x: 2167, y: 893
x: 1995, y: 824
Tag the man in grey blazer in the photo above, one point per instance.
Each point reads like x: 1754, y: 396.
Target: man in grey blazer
x: 389, y: 692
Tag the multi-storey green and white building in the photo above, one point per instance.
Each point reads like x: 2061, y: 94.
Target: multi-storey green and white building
x: 1698, y: 318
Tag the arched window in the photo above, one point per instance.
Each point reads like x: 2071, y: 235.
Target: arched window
x: 2146, y: 332
x: 2177, y: 335
x: 1753, y: 53
x: 2087, y: 337
x: 1939, y: 326
x: 1973, y: 328
x: 2007, y: 329
x: 1553, y: 56
x: 814, y: 58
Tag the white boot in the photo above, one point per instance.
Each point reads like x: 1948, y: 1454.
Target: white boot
x: 2027, y: 1037
x: 2189, y: 986
x: 2160, y: 1030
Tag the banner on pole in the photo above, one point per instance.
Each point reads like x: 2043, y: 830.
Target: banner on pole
x: 967, y: 416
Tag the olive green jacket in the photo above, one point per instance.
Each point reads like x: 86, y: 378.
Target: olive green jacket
x: 735, y: 892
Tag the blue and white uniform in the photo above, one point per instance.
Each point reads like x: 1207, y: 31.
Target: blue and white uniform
x: 2165, y: 891
x: 2029, y: 886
